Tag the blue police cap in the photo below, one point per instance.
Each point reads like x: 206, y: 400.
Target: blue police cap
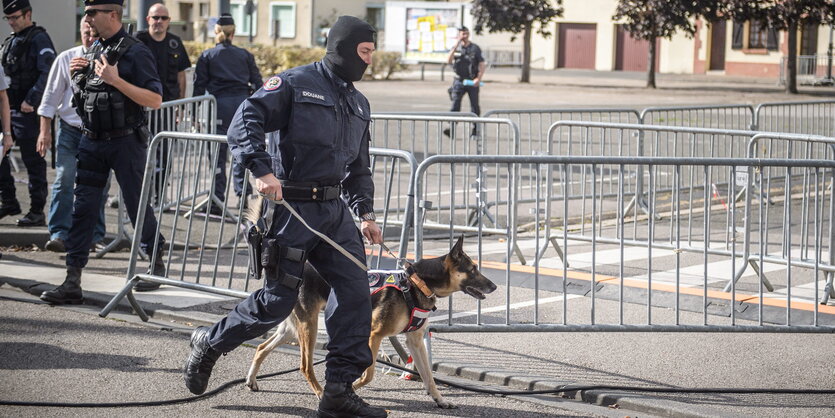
x: 103, y: 2
x: 225, y: 19
x: 11, y: 6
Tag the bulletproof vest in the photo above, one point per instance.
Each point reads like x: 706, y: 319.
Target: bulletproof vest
x: 19, y: 66
x: 102, y: 107
x: 464, y: 64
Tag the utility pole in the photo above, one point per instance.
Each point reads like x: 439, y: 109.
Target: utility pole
x: 250, y: 9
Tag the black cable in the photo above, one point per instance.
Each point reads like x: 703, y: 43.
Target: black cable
x: 208, y: 394
x: 571, y: 388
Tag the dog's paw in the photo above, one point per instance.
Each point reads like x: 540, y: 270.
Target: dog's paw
x: 443, y: 404
x: 253, y: 385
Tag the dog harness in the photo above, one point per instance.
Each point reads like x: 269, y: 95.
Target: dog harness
x: 399, y: 279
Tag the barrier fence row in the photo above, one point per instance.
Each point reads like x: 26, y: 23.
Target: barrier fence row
x: 788, y: 237
x: 667, y: 276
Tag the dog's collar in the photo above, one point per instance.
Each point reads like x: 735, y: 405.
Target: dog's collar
x: 421, y: 285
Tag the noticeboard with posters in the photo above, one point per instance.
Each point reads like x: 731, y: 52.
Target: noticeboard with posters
x: 430, y: 33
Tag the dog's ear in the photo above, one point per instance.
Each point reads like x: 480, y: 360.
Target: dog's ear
x: 458, y: 249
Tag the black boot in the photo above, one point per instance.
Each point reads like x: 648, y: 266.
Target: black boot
x: 156, y: 269
x: 200, y: 361
x: 69, y: 292
x: 339, y: 400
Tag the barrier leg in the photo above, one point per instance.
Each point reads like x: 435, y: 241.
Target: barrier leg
x: 399, y: 348
x: 127, y: 290
x: 828, y: 290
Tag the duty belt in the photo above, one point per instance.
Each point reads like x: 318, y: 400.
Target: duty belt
x: 309, y: 191
x: 107, y: 135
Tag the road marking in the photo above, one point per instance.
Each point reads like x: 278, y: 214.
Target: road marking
x: 503, y: 307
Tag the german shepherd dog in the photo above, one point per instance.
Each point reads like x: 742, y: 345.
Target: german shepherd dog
x: 434, y: 278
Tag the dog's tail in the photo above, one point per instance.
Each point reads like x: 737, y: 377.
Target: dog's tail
x: 253, y: 212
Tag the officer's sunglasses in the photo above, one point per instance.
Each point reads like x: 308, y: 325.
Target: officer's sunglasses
x: 94, y: 12
x: 163, y: 18
x: 12, y: 18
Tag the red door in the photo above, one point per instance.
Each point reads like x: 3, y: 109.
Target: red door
x: 577, y: 45
x: 631, y: 54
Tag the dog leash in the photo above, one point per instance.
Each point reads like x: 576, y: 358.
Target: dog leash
x: 338, y: 247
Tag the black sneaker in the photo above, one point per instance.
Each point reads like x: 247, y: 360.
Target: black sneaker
x: 200, y: 361
x: 340, y: 400
x: 9, y: 210
x: 56, y: 245
x: 32, y: 219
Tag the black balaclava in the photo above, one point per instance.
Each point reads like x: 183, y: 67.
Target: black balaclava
x: 342, y: 57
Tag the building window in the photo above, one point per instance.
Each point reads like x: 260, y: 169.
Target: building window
x: 204, y: 10
x: 376, y: 16
x: 238, y: 11
x: 757, y: 34
x: 283, y: 16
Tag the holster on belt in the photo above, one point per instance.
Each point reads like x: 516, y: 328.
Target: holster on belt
x: 253, y: 241
x: 271, y: 256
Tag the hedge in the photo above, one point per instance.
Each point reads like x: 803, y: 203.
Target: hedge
x: 272, y: 60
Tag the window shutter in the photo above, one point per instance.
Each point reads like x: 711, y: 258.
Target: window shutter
x: 771, y: 40
x: 736, y: 35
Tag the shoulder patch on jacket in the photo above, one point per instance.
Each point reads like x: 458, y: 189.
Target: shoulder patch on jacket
x: 273, y: 83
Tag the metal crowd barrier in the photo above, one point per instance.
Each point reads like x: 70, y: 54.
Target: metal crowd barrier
x: 807, y: 186
x: 428, y: 135
x: 207, y: 252
x: 194, y: 115
x: 673, y: 285
x: 816, y: 117
x: 737, y: 117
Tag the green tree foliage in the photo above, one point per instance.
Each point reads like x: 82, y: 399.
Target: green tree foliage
x: 787, y: 15
x: 651, y: 20
x: 517, y: 16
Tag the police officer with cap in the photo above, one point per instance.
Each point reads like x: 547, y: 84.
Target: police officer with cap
x: 115, y: 80
x: 320, y: 166
x: 27, y: 56
x: 229, y: 73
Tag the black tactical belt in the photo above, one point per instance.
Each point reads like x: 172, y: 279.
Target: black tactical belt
x: 107, y: 135
x: 309, y: 191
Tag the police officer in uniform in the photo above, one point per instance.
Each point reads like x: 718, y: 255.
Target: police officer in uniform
x: 322, y: 155
x: 220, y: 72
x: 27, y: 56
x: 115, y: 79
x: 469, y: 66
x: 169, y: 53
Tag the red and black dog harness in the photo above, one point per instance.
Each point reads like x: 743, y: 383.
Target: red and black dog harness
x: 399, y: 279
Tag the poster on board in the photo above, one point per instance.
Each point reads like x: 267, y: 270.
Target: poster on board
x: 430, y: 33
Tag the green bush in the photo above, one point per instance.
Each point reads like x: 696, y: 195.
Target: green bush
x: 272, y: 60
x: 385, y: 63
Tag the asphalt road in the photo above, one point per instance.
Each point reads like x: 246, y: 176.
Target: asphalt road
x: 70, y: 355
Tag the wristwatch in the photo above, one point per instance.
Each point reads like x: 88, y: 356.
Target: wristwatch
x: 370, y: 216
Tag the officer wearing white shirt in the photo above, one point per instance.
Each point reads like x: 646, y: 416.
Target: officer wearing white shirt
x: 57, y: 99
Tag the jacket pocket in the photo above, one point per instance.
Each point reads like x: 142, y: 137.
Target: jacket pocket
x: 314, y: 119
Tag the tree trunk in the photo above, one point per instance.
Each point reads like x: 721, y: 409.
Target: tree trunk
x: 526, y: 54
x: 651, y: 64
x: 791, y: 64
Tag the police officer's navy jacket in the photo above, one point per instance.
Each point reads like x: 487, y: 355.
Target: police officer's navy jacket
x: 218, y: 72
x: 27, y: 57
x: 323, y: 124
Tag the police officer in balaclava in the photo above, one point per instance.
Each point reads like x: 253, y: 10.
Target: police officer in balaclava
x: 319, y: 164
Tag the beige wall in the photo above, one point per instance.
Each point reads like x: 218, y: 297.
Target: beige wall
x: 52, y: 15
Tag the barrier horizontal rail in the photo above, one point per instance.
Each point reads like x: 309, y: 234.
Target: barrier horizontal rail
x: 675, y: 294
x: 738, y: 117
x: 205, y: 249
